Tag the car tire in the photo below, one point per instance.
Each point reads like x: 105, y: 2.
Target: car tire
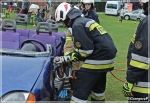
x: 127, y: 17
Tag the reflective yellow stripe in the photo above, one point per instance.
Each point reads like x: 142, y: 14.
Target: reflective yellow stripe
x: 66, y: 53
x: 99, y: 28
x: 94, y: 66
x: 94, y: 25
x: 139, y: 58
x: 72, y: 101
x: 88, y: 52
x: 139, y: 64
x: 68, y: 39
x: 133, y: 38
x: 98, y: 98
x: 76, y: 50
x: 83, y: 55
x: 141, y: 90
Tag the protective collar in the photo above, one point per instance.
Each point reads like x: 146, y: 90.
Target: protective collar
x: 74, y: 13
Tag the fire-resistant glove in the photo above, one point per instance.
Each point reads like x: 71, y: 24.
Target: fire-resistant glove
x: 127, y: 89
x: 74, y: 56
x: 61, y: 59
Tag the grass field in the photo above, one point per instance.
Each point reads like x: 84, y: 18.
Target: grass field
x: 121, y: 34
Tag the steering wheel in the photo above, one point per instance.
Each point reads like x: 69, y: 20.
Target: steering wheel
x: 33, y: 40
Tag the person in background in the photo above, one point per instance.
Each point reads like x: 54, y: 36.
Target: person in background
x: 10, y: 7
x: 25, y: 6
x: 88, y: 11
x: 121, y: 15
x: 40, y: 15
x: 137, y: 85
x: 48, y: 16
x: 53, y: 13
x: 1, y: 3
x: 48, y: 4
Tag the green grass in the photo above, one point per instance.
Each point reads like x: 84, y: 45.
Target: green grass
x: 121, y: 34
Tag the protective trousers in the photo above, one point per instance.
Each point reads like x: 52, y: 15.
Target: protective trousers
x: 87, y: 83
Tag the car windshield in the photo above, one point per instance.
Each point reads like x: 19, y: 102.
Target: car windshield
x: 12, y: 52
x: 112, y: 6
x: 137, y: 11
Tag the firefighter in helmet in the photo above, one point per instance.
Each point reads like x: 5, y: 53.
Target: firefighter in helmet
x: 89, y: 10
x: 92, y: 45
x: 137, y: 86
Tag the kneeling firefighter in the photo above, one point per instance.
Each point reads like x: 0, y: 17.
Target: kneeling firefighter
x: 94, y: 46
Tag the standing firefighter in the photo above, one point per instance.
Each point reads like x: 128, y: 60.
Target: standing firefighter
x: 137, y: 86
x: 94, y: 46
x: 88, y: 11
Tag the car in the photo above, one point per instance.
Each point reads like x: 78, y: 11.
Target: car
x: 134, y: 15
x: 28, y: 71
x: 113, y: 7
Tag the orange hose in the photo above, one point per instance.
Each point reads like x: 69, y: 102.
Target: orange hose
x: 116, y: 77
x: 119, y: 69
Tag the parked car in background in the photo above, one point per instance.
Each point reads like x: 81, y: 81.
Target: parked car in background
x: 113, y: 7
x: 134, y: 15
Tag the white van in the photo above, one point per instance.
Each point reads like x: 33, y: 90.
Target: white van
x: 113, y: 7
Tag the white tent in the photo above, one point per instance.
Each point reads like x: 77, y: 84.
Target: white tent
x: 33, y: 7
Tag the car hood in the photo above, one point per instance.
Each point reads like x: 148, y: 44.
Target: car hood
x: 20, y: 73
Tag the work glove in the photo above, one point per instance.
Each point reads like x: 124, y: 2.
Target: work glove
x: 76, y: 56
x: 61, y: 59
x: 127, y: 89
x: 63, y: 94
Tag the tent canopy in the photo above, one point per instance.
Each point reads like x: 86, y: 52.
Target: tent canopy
x: 34, y: 6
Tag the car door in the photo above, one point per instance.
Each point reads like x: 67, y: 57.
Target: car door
x: 134, y: 14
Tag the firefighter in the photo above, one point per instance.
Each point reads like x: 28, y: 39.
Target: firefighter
x: 88, y: 11
x: 68, y: 48
x: 94, y: 46
x: 137, y: 86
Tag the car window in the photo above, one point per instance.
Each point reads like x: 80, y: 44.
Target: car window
x: 112, y: 6
x: 135, y: 12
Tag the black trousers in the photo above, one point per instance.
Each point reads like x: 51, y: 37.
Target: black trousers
x: 87, y: 82
x: 121, y: 18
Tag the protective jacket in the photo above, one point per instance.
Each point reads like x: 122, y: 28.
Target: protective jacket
x: 68, y: 48
x: 137, y: 60
x: 91, y: 14
x: 94, y: 44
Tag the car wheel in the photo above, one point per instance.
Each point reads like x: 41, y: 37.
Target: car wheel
x: 126, y: 17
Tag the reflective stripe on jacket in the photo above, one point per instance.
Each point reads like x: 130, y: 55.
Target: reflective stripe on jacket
x: 95, y: 44
x: 138, y: 63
